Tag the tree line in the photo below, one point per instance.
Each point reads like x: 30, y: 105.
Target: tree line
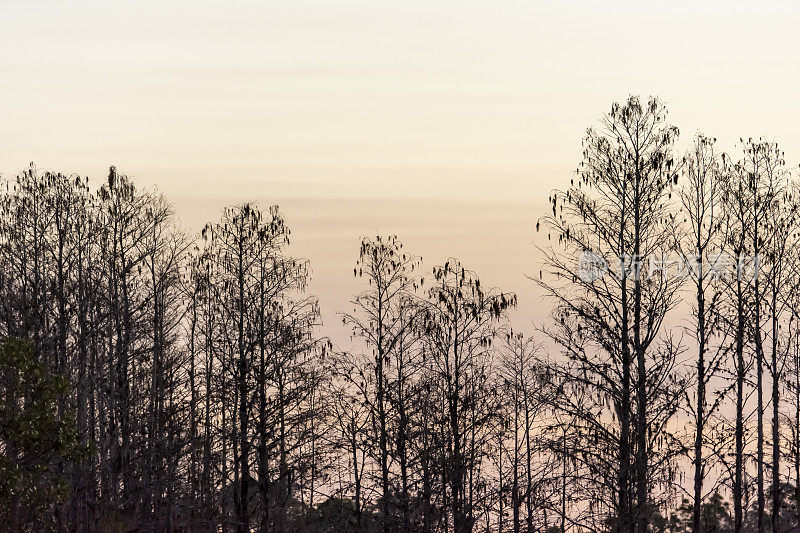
x: 155, y: 380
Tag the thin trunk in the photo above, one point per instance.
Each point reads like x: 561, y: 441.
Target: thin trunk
x: 740, y: 378
x: 624, y: 512
x: 642, y: 505
x: 244, y: 465
x: 760, y: 401
x: 776, y: 443
x: 701, y: 403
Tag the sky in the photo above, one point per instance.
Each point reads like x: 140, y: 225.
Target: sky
x: 446, y: 123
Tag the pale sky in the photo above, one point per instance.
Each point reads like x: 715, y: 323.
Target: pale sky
x: 446, y: 123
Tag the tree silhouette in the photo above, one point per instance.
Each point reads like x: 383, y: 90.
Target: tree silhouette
x: 173, y: 381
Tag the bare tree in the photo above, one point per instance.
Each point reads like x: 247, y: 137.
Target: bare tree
x: 700, y: 245
x: 781, y: 225
x: 608, y: 325
x: 382, y: 317
x: 460, y: 325
x: 749, y: 194
x: 523, y: 379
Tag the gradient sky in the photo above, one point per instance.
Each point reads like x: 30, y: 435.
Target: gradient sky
x: 446, y: 123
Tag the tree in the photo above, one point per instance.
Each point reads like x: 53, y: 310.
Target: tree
x: 163, y: 249
x: 750, y: 191
x: 609, y: 325
x: 523, y: 378
x: 263, y: 349
x: 237, y: 245
x: 700, y: 244
x: 383, y: 317
x: 781, y: 225
x: 756, y: 170
x: 349, y: 437
x: 36, y: 437
x: 714, y: 517
x: 460, y: 324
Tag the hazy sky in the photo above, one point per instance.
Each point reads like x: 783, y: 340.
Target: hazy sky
x: 446, y: 123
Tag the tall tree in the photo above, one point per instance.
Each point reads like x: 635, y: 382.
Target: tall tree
x: 608, y: 325
x: 382, y: 317
x: 781, y: 223
x: 749, y: 194
x: 461, y: 321
x: 237, y: 244
x: 700, y: 244
x: 163, y: 249
x: 263, y: 347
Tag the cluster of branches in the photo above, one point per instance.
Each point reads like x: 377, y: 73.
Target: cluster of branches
x: 193, y: 392
x: 702, y: 408
x: 203, y: 399
x: 191, y: 363
x: 439, y: 402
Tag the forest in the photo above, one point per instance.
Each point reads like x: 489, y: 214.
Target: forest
x: 153, y: 379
